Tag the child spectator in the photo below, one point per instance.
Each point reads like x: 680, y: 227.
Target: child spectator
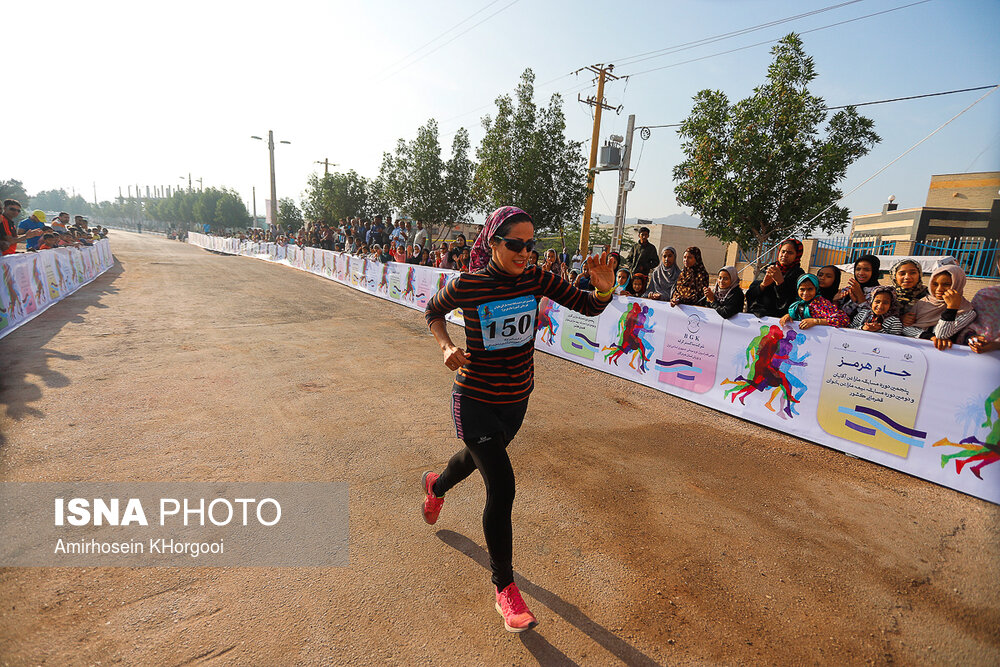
x: 906, y: 279
x: 397, y: 251
x: 944, y: 312
x: 829, y: 282
x: 860, y: 285
x: 727, y: 296
x: 812, y: 309
x: 583, y: 280
x: 926, y: 312
x: 624, y: 279
x: 879, y: 313
x: 664, y: 277
x: 692, y: 281
x: 638, y: 286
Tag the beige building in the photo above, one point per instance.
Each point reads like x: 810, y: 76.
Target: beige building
x: 961, y: 209
x: 713, y: 251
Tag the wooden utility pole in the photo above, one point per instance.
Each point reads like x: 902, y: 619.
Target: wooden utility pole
x: 603, y: 73
x: 326, y: 165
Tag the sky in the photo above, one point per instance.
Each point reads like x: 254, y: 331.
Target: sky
x: 118, y: 93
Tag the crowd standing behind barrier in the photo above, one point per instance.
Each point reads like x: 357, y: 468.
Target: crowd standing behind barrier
x: 44, y: 261
x: 892, y: 399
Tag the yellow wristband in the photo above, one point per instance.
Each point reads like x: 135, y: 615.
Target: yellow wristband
x: 604, y: 294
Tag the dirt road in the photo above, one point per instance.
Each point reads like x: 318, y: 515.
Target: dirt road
x: 647, y: 530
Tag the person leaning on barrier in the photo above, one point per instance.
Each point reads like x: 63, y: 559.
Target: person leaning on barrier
x: 726, y: 298
x: 33, y: 223
x: 8, y: 230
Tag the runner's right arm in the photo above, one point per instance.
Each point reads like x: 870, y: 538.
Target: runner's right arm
x: 442, y: 303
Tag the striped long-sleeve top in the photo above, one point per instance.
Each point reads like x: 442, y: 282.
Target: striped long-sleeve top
x: 890, y: 323
x: 500, y: 313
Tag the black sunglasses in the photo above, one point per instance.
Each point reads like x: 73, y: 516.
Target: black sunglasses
x: 517, y: 245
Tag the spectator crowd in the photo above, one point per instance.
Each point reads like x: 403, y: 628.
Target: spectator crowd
x: 36, y: 233
x: 937, y: 311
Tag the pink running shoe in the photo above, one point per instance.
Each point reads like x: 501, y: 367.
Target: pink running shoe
x: 516, y: 616
x: 432, y: 504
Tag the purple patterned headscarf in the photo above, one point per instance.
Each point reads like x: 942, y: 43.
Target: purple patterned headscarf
x: 481, y: 252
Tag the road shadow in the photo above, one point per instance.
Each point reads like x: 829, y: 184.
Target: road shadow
x: 540, y: 648
x: 25, y: 351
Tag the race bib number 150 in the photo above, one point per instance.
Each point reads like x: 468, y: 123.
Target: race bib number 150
x: 509, y: 323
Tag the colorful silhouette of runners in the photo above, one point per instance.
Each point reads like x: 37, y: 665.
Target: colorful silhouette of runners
x: 764, y: 359
x: 973, y: 449
x: 383, y: 285
x: 631, y: 326
x: 410, y: 289
x: 546, y: 325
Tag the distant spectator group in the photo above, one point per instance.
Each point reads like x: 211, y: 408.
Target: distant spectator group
x: 938, y: 311
x: 37, y: 233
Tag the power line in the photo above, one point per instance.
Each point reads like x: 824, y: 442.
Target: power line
x: 870, y: 178
x: 649, y: 55
x: 441, y: 46
x: 772, y: 41
x: 865, y: 104
x: 681, y: 47
x: 418, y: 50
x: 914, y: 97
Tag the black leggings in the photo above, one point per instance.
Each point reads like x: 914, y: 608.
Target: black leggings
x: 487, y: 429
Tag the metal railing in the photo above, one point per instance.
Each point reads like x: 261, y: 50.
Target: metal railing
x: 839, y: 250
x: 977, y: 256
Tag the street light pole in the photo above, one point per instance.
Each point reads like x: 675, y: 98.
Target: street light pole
x: 274, y: 193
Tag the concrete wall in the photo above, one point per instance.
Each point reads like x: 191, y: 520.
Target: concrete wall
x: 713, y: 251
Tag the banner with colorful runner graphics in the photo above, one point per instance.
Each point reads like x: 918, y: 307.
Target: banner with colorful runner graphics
x: 33, y: 281
x: 892, y: 400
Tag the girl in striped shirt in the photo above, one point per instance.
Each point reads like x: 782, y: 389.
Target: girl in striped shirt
x: 499, y: 300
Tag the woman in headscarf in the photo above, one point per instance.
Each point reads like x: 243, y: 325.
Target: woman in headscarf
x: 776, y: 291
x: 944, y: 312
x: 499, y: 301
x: 692, y: 281
x: 984, y: 332
x: 811, y: 309
x: 413, y: 254
x: 727, y: 296
x: 860, y: 285
x: 664, y: 277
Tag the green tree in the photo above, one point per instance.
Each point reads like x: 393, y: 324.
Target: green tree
x: 757, y: 171
x: 419, y: 184
x: 60, y: 200
x: 14, y: 189
x: 289, y: 215
x: 526, y: 160
x: 205, y: 205
x: 335, y: 196
x: 230, y: 211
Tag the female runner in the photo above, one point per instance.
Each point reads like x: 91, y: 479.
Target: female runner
x: 499, y: 299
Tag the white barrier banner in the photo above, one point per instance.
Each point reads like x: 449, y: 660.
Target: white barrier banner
x: 33, y: 281
x: 888, y: 399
